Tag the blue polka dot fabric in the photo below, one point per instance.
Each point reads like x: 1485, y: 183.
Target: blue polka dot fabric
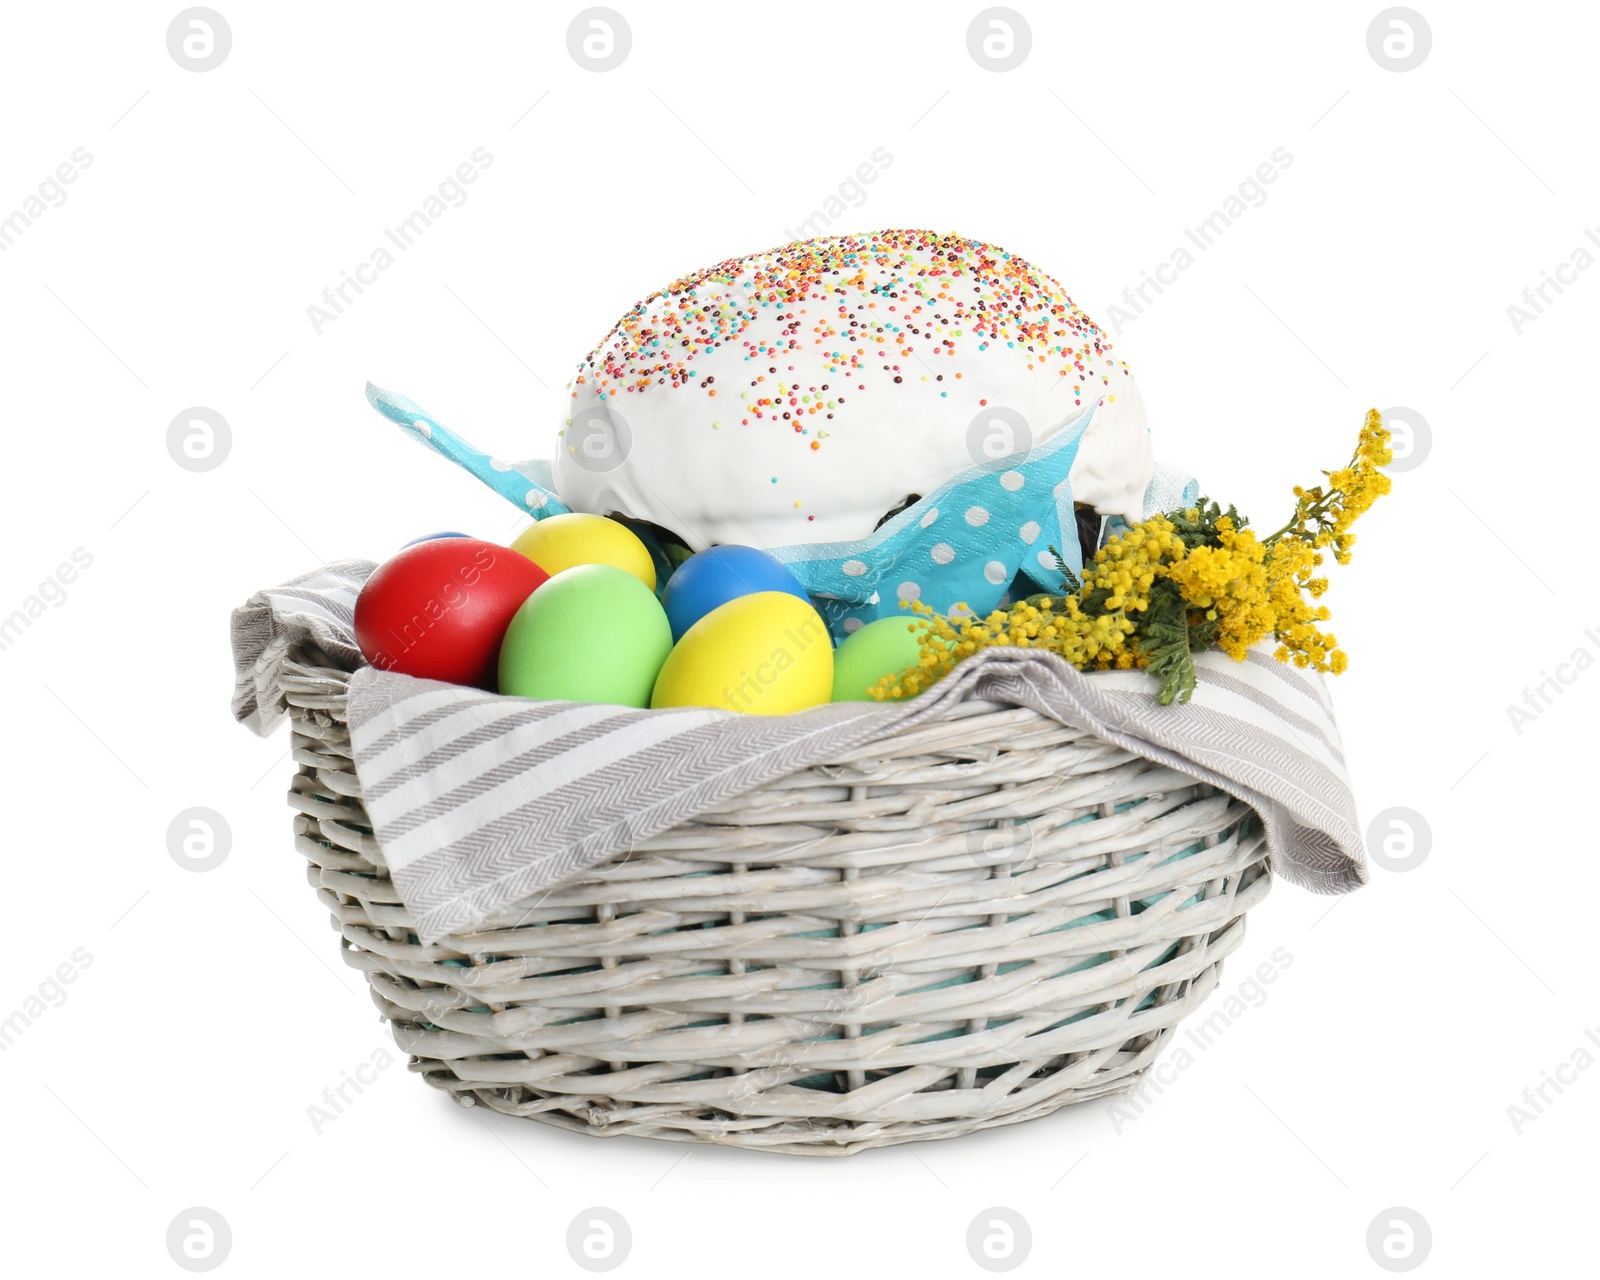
x: 958, y: 548
x: 525, y: 484
x: 971, y: 545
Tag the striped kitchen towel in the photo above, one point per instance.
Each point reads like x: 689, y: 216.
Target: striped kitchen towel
x: 317, y: 608
x: 479, y: 800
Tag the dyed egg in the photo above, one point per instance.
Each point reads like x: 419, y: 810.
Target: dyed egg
x: 767, y: 653
x: 438, y: 609
x: 709, y: 579
x: 885, y: 647
x: 593, y: 633
x: 566, y: 541
x: 429, y: 537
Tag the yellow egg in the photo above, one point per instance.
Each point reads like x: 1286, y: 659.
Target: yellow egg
x: 767, y: 654
x: 564, y: 542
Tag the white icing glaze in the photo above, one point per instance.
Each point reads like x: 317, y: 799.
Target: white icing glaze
x: 1115, y: 459
x: 969, y: 331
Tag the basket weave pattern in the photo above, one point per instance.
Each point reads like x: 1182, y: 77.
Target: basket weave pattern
x: 980, y: 921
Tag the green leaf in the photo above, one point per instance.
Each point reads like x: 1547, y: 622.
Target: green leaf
x: 1202, y: 531
x: 1070, y: 581
x: 1165, y: 643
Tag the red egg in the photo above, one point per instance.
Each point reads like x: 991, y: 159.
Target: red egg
x: 439, y: 609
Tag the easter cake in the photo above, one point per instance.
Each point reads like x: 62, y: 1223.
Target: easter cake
x: 801, y: 394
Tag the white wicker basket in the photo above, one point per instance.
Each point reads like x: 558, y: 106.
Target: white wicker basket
x: 987, y: 919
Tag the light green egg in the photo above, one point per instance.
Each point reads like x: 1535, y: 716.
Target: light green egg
x: 886, y: 647
x: 594, y: 633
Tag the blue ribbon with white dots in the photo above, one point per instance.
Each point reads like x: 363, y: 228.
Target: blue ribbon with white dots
x: 527, y: 485
x: 960, y: 547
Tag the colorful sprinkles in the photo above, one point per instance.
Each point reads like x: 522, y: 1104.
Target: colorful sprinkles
x: 889, y: 302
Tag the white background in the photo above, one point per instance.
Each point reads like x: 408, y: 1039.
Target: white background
x: 179, y: 1068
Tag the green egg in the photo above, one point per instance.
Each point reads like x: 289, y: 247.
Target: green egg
x: 593, y: 633
x: 885, y: 647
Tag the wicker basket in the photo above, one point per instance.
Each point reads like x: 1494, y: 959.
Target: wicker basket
x: 986, y: 919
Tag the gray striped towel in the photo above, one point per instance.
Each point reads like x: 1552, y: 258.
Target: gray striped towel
x: 480, y: 800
